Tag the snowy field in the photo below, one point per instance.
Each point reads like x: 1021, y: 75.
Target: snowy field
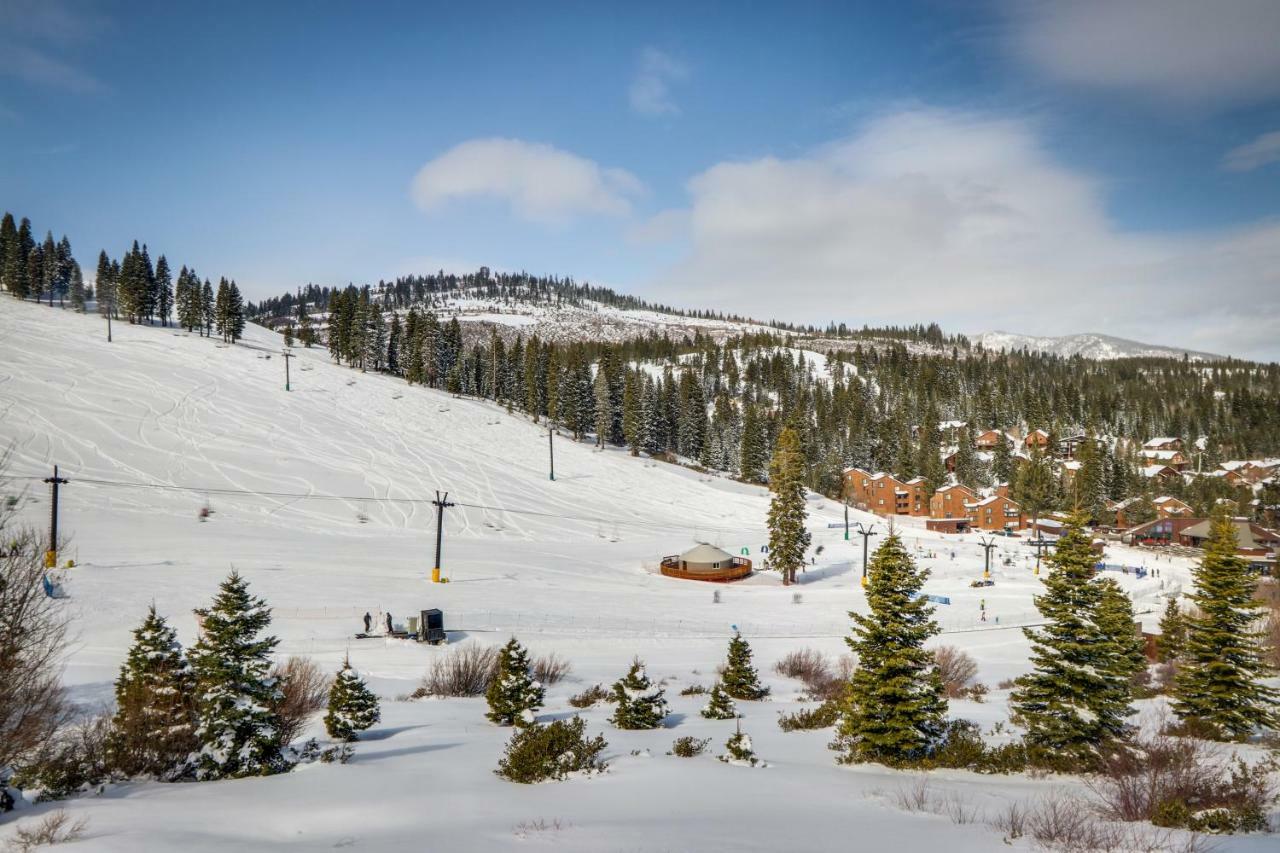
x: 321, y: 498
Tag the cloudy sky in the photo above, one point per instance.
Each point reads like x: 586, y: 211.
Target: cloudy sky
x: 1047, y: 168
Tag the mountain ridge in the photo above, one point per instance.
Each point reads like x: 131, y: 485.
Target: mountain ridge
x: 1091, y: 345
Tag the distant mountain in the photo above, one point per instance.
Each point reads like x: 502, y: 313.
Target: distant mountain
x: 1089, y: 345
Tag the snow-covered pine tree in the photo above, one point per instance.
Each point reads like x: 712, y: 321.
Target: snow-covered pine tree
x: 353, y: 707
x: 752, y: 452
x: 720, y: 705
x: 1173, y: 631
x: 153, y: 730
x: 893, y: 710
x: 738, y: 749
x: 1070, y: 701
x: 163, y: 291
x: 1218, y: 690
x: 740, y: 679
x: 640, y: 703
x: 514, y: 695
x: 788, y: 538
x: 234, y: 689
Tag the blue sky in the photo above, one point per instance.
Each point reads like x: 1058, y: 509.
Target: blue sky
x: 984, y: 165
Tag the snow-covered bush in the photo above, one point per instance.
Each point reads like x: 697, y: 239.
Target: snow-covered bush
x: 823, y: 716
x: 352, y: 706
x: 593, y: 695
x: 689, y: 747
x: 551, y: 752
x: 640, y: 703
x: 719, y: 705
x: 514, y: 695
x: 738, y: 750
x: 72, y: 761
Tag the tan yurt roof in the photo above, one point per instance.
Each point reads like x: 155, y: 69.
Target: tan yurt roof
x: 705, y: 553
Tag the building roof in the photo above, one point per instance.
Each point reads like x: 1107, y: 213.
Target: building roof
x: 1248, y: 535
x: 1156, y: 442
x: 704, y: 553
x: 1161, y: 454
x: 1149, y: 471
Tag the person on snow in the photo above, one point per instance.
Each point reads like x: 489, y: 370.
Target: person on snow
x: 389, y: 629
x: 368, y: 622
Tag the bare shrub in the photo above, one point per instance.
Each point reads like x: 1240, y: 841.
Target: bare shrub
x: 56, y: 828
x: 527, y: 828
x: 1185, y: 783
x: 74, y: 759
x: 1006, y: 684
x: 551, y: 669
x: 1012, y: 822
x: 1059, y: 822
x: 593, y: 695
x: 805, y: 664
x: 957, y: 669
x: 916, y: 797
x: 304, y: 690
x: 693, y: 690
x: 33, y: 704
x: 464, y: 670
x: 959, y: 809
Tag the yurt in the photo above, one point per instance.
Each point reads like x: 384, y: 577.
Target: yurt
x: 706, y: 563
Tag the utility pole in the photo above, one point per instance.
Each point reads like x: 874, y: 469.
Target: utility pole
x: 988, y: 544
x: 551, y: 447
x: 287, y: 355
x: 51, y: 556
x: 846, y: 518
x: 866, y: 533
x: 110, y: 307
x: 1040, y: 545
x: 441, y: 504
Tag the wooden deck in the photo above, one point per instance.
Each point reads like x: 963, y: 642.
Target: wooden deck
x: 672, y: 567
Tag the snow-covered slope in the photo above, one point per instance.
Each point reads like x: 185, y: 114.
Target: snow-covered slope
x: 1088, y: 345
x: 321, y: 498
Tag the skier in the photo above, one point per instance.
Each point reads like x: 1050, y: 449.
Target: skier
x: 368, y: 622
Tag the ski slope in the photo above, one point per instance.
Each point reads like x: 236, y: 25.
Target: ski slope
x: 321, y: 496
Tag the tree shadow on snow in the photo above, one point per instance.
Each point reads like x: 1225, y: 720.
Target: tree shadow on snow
x: 387, y: 733
x: 361, y: 758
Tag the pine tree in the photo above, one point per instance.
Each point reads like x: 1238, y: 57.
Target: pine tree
x: 238, y: 731
x: 739, y: 750
x: 1173, y: 631
x: 208, y: 311
x: 153, y: 730
x: 788, y: 538
x: 739, y: 678
x: 514, y: 695
x: 720, y: 706
x: 77, y: 288
x: 235, y: 313
x: 1071, y: 702
x: 353, y: 707
x: 163, y: 291
x: 1125, y: 658
x: 1090, y: 483
x: 103, y: 284
x: 8, y: 253
x: 640, y: 703
x: 1218, y: 689
x: 893, y: 710
x: 753, y: 454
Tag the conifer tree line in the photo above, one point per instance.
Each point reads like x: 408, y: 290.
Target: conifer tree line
x: 132, y: 288
x: 722, y: 404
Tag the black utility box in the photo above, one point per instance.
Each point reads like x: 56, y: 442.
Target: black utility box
x: 431, y: 627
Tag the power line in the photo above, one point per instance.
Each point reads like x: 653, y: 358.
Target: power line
x: 294, y: 496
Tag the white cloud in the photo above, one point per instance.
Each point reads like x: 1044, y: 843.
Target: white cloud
x: 540, y: 182
x: 650, y: 91
x: 31, y: 32
x: 964, y: 219
x: 1262, y: 151
x: 1210, y: 52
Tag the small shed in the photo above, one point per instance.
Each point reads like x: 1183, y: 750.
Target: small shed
x: 706, y: 563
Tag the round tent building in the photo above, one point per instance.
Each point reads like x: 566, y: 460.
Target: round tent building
x: 706, y: 563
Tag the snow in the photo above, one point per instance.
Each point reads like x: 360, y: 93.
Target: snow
x: 344, y: 468
x: 1088, y: 345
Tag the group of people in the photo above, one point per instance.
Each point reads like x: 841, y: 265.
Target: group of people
x: 368, y: 623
